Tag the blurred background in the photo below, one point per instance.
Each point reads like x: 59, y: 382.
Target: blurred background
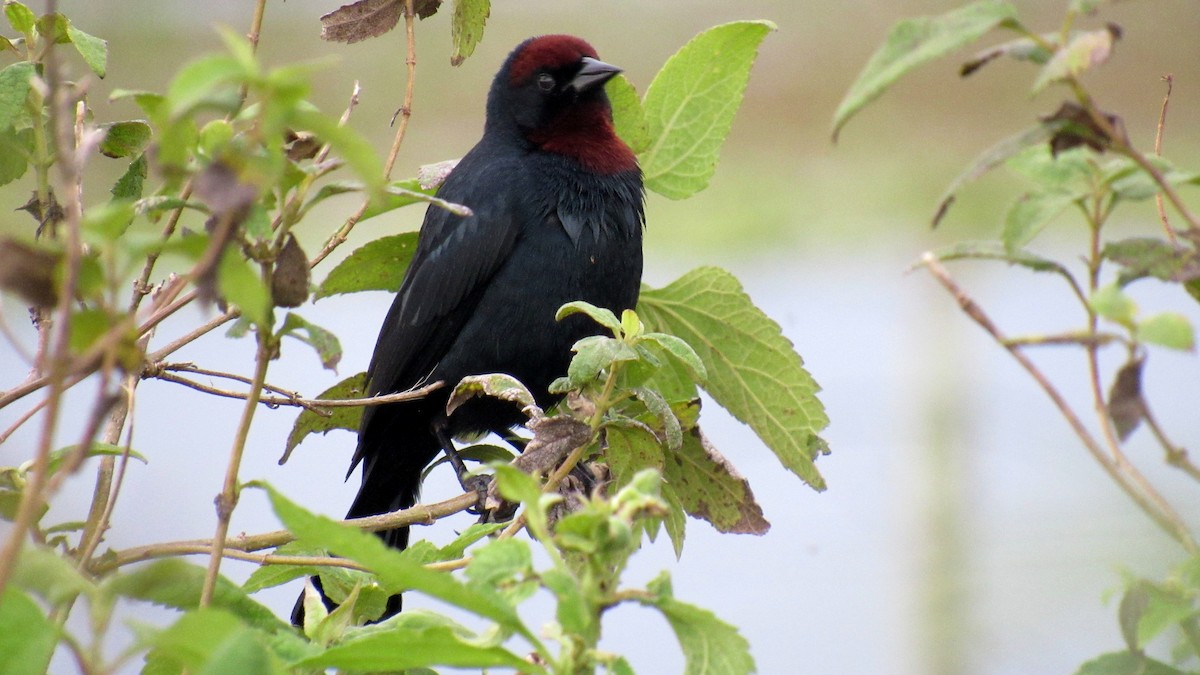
x: 965, y: 529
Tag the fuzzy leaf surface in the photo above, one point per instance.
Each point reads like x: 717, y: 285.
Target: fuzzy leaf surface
x: 690, y: 106
x: 753, y: 370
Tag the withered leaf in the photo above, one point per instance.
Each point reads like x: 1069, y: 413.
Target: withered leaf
x: 553, y: 439
x: 364, y: 19
x: 1126, y: 407
x: 710, y: 488
x: 47, y: 215
x: 28, y: 272
x: 430, y: 176
x: 219, y: 187
x: 300, y: 145
x: 1078, y: 128
x: 289, y: 279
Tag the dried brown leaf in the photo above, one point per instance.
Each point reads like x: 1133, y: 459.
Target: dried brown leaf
x: 364, y: 19
x: 289, y: 279
x: 710, y: 488
x: 1125, y: 404
x: 28, y: 272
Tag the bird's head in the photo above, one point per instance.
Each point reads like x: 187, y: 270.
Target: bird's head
x: 550, y: 92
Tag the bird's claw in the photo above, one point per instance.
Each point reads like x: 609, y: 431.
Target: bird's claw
x: 478, y: 484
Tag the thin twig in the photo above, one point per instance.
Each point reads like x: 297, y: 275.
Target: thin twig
x: 104, y: 496
x: 1074, y: 339
x: 314, y: 404
x: 414, y: 515
x: 1177, y: 455
x: 68, y: 157
x: 1173, y: 527
x: 227, y: 500
x: 22, y: 420
x: 1158, y: 137
x: 338, y: 238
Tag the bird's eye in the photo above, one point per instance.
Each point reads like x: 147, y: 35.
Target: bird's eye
x: 545, y: 82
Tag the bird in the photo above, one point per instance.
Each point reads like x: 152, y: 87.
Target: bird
x: 556, y: 215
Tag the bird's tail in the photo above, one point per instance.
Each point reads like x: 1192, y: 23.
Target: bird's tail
x: 391, y: 481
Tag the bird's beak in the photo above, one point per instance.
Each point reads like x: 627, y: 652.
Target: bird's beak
x: 593, y: 73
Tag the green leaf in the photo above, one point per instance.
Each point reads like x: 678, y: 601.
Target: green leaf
x: 1126, y: 663
x: 309, y: 422
x: 207, y: 81
x: 600, y: 315
x: 658, y: 406
x: 1130, y: 181
x: 991, y: 158
x: 93, y: 50
x: 498, y: 562
x: 98, y: 449
x: 87, y: 326
x: 710, y: 646
x: 629, y: 118
x: 240, y: 284
x: 594, y: 354
x: 20, y: 17
x: 1144, y: 256
x: 416, y: 639
x: 466, y: 27
x: 1082, y: 52
x: 359, y: 154
x: 753, y: 370
x: 269, y: 576
x: 125, y: 139
x: 1029, y: 215
x: 53, y: 27
x: 691, y: 103
x: 212, y: 641
x: 104, y: 223
x: 396, y: 195
x: 27, y: 637
x: 396, y: 573
x: 1168, y: 329
x: 573, y: 612
x: 14, y: 89
x: 1110, y: 303
x: 682, y: 352
x: 175, y: 583
x: 15, y: 150
x: 49, y: 575
x: 151, y: 103
x: 129, y: 185
x: 377, y: 266
x: 324, y: 342
x: 987, y: 250
x: 628, y: 450
x: 1021, y: 49
x: 914, y: 42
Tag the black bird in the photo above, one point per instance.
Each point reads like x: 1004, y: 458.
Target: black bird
x: 557, y: 203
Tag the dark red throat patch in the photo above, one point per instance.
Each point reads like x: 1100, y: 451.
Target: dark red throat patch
x: 585, y: 133
x: 550, y: 52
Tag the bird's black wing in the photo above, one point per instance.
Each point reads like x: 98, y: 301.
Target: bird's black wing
x: 456, y: 256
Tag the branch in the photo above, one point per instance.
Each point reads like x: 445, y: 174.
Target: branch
x: 1167, y: 520
x: 338, y: 238
x: 316, y: 405
x: 419, y: 514
x: 227, y: 500
x: 1158, y: 136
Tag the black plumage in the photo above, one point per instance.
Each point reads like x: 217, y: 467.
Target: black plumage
x: 557, y: 216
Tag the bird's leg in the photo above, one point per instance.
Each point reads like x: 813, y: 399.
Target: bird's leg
x: 477, y: 484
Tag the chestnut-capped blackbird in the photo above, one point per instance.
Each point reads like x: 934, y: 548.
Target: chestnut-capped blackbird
x: 556, y: 202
